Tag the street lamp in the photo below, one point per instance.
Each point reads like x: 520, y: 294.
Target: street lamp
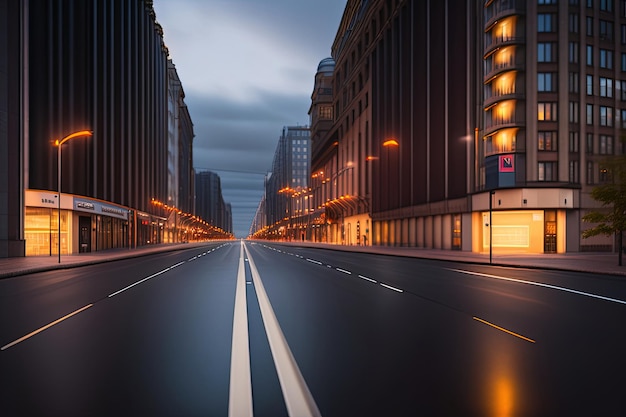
x: 491, y: 194
x: 58, y: 144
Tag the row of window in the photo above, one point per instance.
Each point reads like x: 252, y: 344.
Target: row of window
x: 548, y: 171
x: 548, y: 112
x: 548, y: 141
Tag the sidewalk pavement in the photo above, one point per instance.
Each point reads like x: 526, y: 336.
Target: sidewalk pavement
x: 594, y: 262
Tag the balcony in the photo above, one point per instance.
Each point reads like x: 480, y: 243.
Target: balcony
x: 498, y: 9
x: 492, y: 43
x: 494, y: 67
x: 494, y: 96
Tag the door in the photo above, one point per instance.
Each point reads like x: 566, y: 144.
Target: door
x: 84, y: 234
x: 549, y: 231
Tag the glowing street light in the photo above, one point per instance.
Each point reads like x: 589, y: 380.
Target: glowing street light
x: 58, y: 144
x: 391, y: 142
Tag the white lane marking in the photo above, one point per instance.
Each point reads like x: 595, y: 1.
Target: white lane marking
x: 391, y: 288
x: 240, y: 390
x: 138, y: 282
x: 344, y: 271
x: 47, y: 326
x: 367, y: 279
x: 540, y: 284
x: 298, y: 398
x: 314, y: 261
x: 178, y: 264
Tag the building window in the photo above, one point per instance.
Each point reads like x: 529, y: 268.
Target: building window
x: 547, y: 171
x: 540, y: 2
x: 590, y: 55
x: 574, y: 81
x: 623, y: 119
x: 606, y: 116
x: 573, y: 23
x: 589, y: 26
x: 574, y: 172
x: 546, y: 52
x: 326, y: 113
x: 589, y: 85
x: 573, y: 142
x: 589, y: 172
x: 606, y: 58
x: 547, y: 140
x: 574, y: 111
x: 546, y: 82
x: 606, y: 6
x: 589, y: 150
x: 573, y: 52
x: 605, y: 145
x: 623, y: 34
x: 590, y: 4
x: 547, y: 111
x: 589, y: 114
x: 546, y: 22
x: 606, y: 30
x: 606, y: 87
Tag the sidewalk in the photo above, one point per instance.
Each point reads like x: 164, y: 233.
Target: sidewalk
x: 11, y: 267
x: 595, y: 262
x: 602, y: 263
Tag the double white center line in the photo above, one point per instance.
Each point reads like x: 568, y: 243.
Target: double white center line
x: 298, y: 398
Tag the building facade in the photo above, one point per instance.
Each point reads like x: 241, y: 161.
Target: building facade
x: 287, y: 191
x: 210, y: 204
x: 554, y: 109
x: 477, y: 126
x: 13, y: 128
x: 395, y: 167
x: 96, y: 73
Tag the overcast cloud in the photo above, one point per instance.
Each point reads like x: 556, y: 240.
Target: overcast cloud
x: 247, y: 69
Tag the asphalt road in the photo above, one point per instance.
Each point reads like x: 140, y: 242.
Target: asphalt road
x: 275, y: 330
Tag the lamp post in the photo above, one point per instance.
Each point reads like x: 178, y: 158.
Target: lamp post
x: 58, y: 144
x: 491, y: 194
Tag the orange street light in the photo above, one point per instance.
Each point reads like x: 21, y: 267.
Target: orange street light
x: 58, y: 144
x: 391, y: 142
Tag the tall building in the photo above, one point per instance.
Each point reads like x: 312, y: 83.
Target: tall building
x: 395, y: 167
x: 287, y: 188
x: 466, y: 125
x: 13, y: 127
x: 102, y: 67
x: 210, y: 204
x: 180, y: 175
x: 554, y: 108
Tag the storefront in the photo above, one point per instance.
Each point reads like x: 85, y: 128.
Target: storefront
x: 86, y: 224
x: 523, y: 220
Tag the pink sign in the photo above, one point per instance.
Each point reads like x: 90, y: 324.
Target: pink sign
x: 506, y: 163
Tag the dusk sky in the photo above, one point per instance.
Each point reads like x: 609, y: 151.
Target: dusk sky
x: 247, y: 69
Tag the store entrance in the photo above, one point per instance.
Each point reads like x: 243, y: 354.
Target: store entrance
x: 84, y: 234
x: 550, y: 231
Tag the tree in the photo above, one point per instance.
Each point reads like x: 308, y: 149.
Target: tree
x: 611, y: 219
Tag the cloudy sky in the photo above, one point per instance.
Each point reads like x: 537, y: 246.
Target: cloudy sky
x: 247, y: 69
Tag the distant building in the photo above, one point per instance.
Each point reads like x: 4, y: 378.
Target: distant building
x: 180, y: 174
x: 210, y: 205
x: 288, y: 183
